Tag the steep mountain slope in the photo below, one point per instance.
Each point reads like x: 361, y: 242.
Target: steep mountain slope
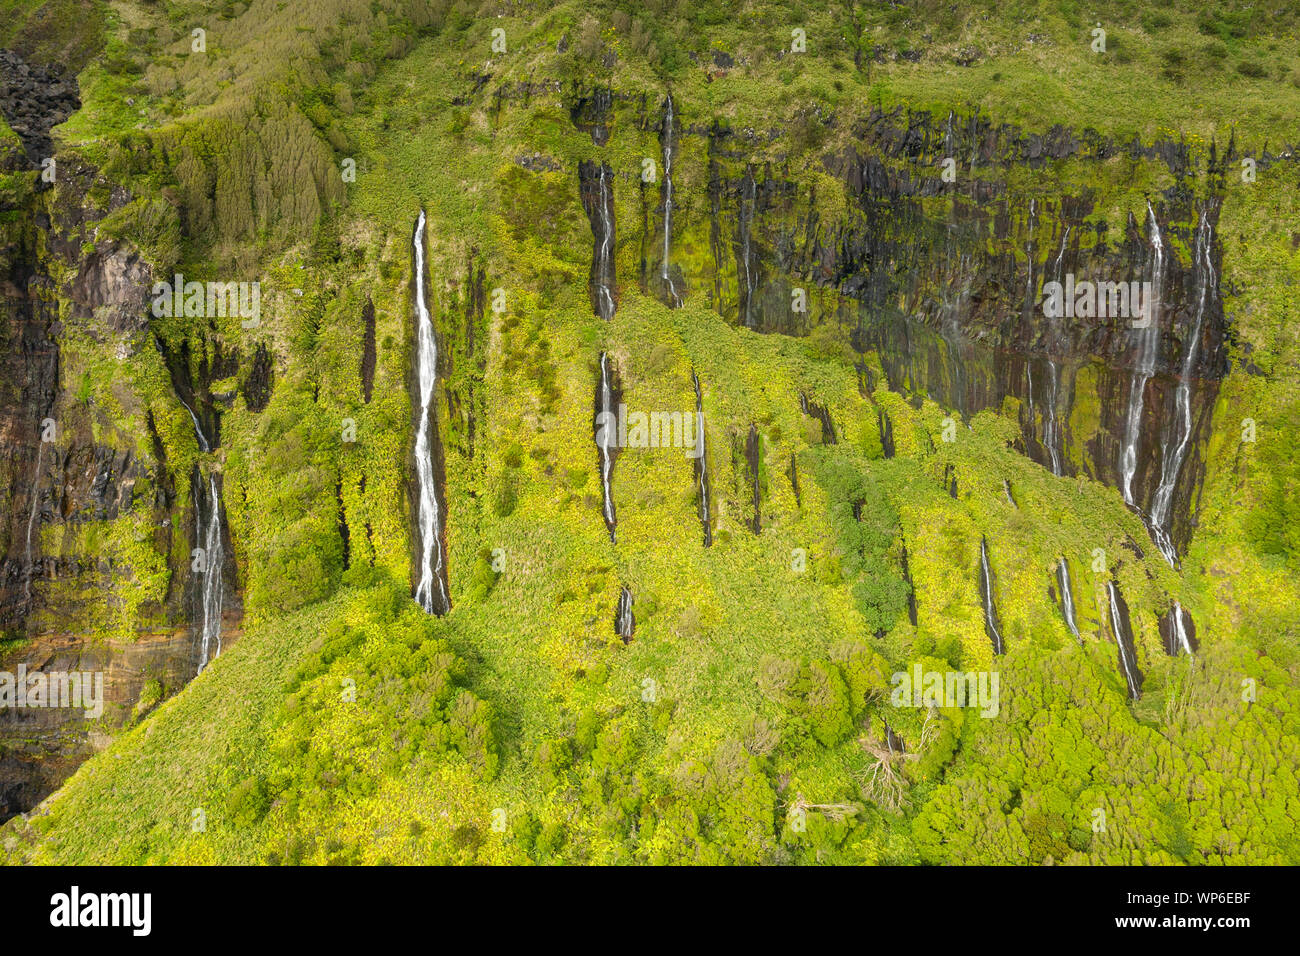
x: 652, y: 656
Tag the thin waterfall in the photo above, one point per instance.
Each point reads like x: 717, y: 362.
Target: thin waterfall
x: 1148, y: 341
x: 1051, y: 425
x: 702, y: 464
x: 597, y: 194
x: 1067, y: 597
x: 1122, y: 629
x: 606, y: 434
x: 986, y: 593
x: 1178, y: 631
x: 606, y: 246
x: 30, y: 569
x: 748, y: 199
x: 674, y: 299
x: 207, y: 519
x: 1181, y: 426
x: 431, y: 590
x: 1006, y: 491
x: 886, y: 427
x: 624, y: 619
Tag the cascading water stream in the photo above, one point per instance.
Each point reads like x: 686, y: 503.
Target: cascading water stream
x: 605, y: 249
x: 670, y: 287
x: 1181, y: 426
x: 702, y: 464
x: 1178, y: 631
x: 1148, y: 340
x: 986, y: 592
x: 748, y: 199
x: 624, y: 619
x: 606, y: 432
x: 30, y: 569
x: 1067, y: 597
x: 1120, y: 626
x: 431, y: 590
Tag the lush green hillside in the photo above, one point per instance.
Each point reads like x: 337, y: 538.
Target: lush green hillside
x: 749, y: 719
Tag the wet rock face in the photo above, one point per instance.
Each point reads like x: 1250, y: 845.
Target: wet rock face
x: 590, y: 112
x: 35, y: 99
x: 113, y: 285
x: 261, y: 379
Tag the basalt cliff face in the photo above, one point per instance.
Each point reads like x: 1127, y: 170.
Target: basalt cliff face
x: 916, y: 244
x: 95, y: 536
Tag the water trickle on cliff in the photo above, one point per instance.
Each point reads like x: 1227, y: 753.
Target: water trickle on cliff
x: 1178, y: 631
x: 1067, y: 597
x: 670, y: 287
x: 624, y: 619
x: 596, y: 191
x: 606, y: 434
x: 986, y: 594
x: 1147, y: 343
x: 702, y: 465
x: 1180, y: 427
x: 207, y: 519
x: 911, y: 588
x: 431, y: 589
x: 1122, y: 629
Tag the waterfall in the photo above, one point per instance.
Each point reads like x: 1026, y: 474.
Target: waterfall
x: 605, y: 248
x: 31, y: 522
x: 1051, y: 427
x: 1172, y: 460
x: 431, y: 591
x: 822, y: 414
x: 748, y: 198
x: 675, y: 300
x: 1119, y: 624
x: 1148, y: 340
x: 986, y: 592
x: 702, y: 464
x: 1067, y: 597
x: 1006, y: 490
x: 198, y: 429
x: 606, y: 433
x: 1178, y: 631
x: 886, y: 427
x: 624, y: 619
x: 208, y: 531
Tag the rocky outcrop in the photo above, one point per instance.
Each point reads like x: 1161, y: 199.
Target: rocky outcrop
x: 41, y: 746
x: 86, y: 504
